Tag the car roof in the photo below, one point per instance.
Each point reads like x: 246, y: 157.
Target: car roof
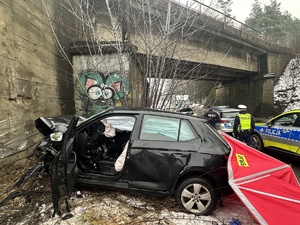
x: 285, y: 113
x: 291, y: 111
x: 144, y: 110
x: 227, y: 109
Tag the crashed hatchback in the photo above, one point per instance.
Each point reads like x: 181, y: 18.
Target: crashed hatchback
x: 147, y: 151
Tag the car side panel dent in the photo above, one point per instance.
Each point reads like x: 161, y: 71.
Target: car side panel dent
x: 156, y: 168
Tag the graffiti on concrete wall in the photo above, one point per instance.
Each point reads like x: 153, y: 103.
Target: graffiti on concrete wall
x: 100, y: 91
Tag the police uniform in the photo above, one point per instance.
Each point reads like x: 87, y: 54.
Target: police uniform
x: 212, y: 117
x: 243, y: 125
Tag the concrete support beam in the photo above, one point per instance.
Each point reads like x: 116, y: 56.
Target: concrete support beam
x: 277, y: 62
x: 256, y: 93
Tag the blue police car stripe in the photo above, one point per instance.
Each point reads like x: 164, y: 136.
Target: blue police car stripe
x: 295, y: 135
x: 287, y: 135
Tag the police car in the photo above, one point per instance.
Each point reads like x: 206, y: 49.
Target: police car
x: 227, y: 115
x: 281, y: 132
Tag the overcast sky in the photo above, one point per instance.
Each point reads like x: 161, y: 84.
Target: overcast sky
x: 242, y: 8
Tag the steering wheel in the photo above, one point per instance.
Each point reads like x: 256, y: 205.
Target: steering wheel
x: 95, y: 131
x: 99, y: 127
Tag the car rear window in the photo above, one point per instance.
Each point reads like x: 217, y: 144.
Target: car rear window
x: 187, y: 133
x: 231, y: 114
x: 159, y: 128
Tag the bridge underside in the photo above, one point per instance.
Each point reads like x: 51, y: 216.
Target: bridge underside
x: 187, y: 70
x: 171, y: 68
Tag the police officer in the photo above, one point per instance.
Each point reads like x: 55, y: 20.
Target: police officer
x: 212, y: 117
x: 243, y: 125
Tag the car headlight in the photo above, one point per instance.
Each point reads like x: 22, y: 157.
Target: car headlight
x: 56, y: 136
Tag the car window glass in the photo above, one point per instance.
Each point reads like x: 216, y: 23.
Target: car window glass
x: 285, y: 120
x: 186, y: 131
x: 121, y: 122
x: 159, y: 128
x: 229, y: 114
x: 297, y: 122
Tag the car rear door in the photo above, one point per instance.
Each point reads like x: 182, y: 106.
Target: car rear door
x: 64, y: 170
x: 160, y: 153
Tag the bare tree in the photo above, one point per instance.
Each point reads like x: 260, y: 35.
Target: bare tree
x: 159, y: 37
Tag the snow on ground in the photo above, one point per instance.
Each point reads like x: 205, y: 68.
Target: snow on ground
x: 117, y: 208
x: 287, y: 89
x: 102, y: 207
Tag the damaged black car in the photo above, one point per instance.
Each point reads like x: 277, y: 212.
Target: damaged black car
x: 147, y: 151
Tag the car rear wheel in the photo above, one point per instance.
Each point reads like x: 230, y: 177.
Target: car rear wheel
x: 196, y: 196
x: 257, y: 142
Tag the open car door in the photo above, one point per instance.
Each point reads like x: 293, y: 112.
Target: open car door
x: 64, y: 172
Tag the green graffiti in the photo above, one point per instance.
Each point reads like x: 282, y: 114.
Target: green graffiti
x: 101, y: 91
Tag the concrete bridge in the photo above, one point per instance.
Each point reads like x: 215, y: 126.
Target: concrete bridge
x: 38, y: 75
x: 240, y: 60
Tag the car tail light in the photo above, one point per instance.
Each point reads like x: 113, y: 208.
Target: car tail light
x: 224, y: 121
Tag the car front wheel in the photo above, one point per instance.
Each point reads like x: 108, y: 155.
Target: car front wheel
x: 257, y: 142
x: 196, y: 196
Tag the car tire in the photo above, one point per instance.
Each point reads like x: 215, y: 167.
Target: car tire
x: 257, y: 143
x: 197, y: 196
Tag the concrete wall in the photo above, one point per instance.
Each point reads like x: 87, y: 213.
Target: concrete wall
x: 196, y: 40
x: 115, y: 71
x: 256, y: 93
x: 102, y: 71
x: 277, y: 63
x: 36, y: 79
x: 208, y: 50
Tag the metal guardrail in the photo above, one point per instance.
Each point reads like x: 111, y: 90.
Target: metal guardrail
x: 233, y: 26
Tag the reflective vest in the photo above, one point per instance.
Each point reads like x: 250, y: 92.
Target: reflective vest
x: 245, y: 121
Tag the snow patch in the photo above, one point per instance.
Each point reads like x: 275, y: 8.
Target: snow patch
x: 287, y: 89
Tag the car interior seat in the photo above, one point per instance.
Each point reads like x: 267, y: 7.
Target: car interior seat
x: 81, y: 143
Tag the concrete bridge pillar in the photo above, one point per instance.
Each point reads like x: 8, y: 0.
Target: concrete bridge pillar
x: 256, y: 93
x: 266, y: 108
x: 276, y: 63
